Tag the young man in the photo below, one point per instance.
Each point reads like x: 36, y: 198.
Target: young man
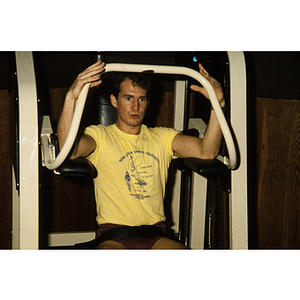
x: 132, y: 160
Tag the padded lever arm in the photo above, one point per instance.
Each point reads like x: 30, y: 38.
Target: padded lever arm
x: 206, y: 167
x: 79, y: 167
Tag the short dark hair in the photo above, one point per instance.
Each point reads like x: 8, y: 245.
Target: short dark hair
x: 143, y: 80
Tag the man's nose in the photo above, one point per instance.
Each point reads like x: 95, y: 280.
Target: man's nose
x: 136, y: 104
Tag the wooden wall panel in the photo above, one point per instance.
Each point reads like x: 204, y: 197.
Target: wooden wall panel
x: 67, y: 206
x: 5, y: 170
x: 291, y: 209
x: 278, y: 165
x: 166, y: 110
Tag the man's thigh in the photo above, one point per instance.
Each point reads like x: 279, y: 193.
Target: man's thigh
x: 162, y: 243
x: 110, y: 245
x: 165, y: 243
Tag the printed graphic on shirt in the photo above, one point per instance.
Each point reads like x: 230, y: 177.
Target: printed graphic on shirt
x: 138, y: 174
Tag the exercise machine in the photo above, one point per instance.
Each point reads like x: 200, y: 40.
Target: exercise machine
x: 33, y: 132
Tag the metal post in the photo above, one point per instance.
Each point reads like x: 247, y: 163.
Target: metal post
x: 178, y: 123
x: 238, y: 214
x: 25, y: 233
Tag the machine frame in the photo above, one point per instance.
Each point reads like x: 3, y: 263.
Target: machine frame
x: 25, y: 229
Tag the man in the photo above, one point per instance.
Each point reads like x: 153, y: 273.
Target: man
x: 132, y: 160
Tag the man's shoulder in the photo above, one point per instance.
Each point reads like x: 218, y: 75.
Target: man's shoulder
x: 164, y: 133
x: 97, y: 129
x: 163, y: 130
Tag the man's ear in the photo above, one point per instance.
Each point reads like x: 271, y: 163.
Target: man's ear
x: 113, y: 101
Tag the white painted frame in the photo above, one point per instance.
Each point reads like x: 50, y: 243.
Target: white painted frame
x: 70, y: 238
x: 238, y: 198
x: 25, y: 206
x: 180, y: 87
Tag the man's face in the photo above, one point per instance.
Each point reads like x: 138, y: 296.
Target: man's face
x: 131, y: 107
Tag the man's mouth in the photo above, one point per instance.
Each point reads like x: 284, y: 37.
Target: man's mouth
x: 134, y: 116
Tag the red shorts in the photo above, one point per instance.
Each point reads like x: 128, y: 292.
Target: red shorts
x: 133, y: 243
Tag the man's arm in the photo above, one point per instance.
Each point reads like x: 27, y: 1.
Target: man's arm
x: 208, y: 147
x: 85, y: 143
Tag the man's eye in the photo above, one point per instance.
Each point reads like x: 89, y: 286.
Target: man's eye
x: 143, y: 99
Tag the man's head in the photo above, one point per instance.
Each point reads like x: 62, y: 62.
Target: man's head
x: 142, y: 80
x: 129, y: 96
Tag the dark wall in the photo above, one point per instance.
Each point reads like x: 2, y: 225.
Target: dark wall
x: 276, y: 74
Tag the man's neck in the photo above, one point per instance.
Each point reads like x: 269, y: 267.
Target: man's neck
x: 134, y: 130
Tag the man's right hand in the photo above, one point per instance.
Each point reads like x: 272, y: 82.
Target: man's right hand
x: 86, y: 144
x: 88, y: 75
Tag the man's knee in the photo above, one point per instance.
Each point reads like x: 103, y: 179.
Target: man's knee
x: 165, y: 243
x: 110, y: 245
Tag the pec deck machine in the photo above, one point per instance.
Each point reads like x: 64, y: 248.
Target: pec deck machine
x: 191, y: 219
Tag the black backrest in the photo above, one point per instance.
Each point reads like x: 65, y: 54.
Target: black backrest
x: 107, y: 114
